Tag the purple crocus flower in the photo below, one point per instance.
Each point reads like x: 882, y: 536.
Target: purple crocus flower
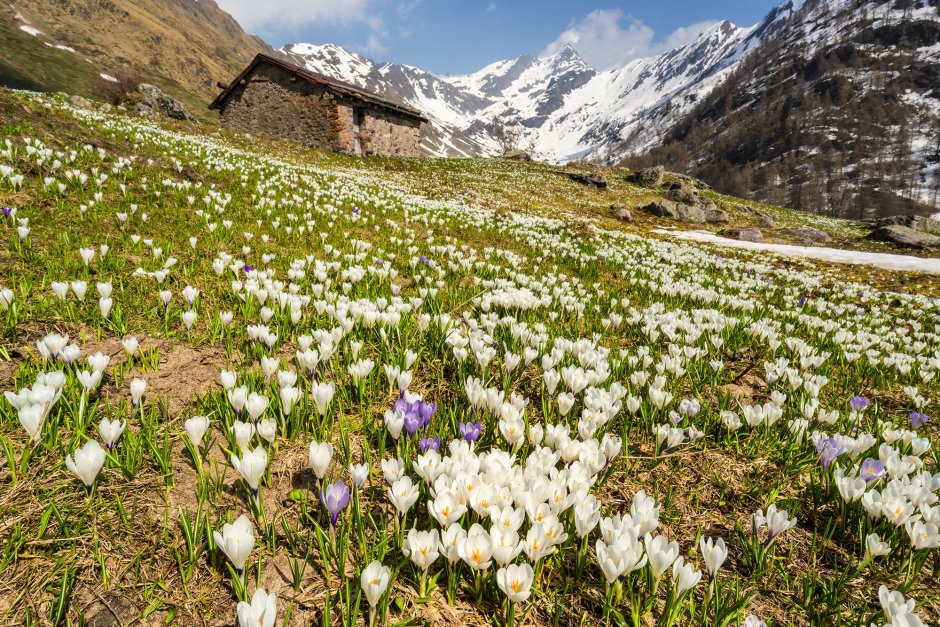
x: 828, y: 449
x: 429, y: 443
x: 918, y: 419
x: 7, y: 211
x: 425, y: 260
x: 426, y: 410
x: 872, y: 470
x: 412, y: 423
x: 858, y: 403
x: 801, y: 302
x: 355, y: 211
x: 335, y: 497
x: 248, y: 268
x: 417, y: 413
x: 470, y: 431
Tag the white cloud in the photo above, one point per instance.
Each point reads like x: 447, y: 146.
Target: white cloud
x: 257, y: 14
x: 608, y: 38
x: 686, y: 34
x: 374, y: 46
x: 491, y: 7
x: 405, y: 8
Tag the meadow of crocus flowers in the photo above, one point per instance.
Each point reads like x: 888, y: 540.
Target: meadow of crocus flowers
x: 251, y: 387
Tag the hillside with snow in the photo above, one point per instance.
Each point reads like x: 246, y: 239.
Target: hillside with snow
x: 838, y: 114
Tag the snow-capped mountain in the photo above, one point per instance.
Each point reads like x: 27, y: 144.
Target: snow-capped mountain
x: 564, y: 108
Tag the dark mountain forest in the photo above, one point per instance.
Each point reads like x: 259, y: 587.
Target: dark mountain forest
x: 837, y: 114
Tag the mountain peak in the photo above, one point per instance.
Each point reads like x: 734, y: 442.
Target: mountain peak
x: 568, y: 55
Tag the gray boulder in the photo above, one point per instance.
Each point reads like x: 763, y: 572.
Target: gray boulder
x: 649, y: 177
x: 78, y: 101
x: 161, y: 103
x: 676, y: 211
x: 744, y: 234
x: 808, y: 234
x: 766, y: 222
x: 905, y: 236
x: 685, y: 194
x: 589, y: 178
x: 714, y: 215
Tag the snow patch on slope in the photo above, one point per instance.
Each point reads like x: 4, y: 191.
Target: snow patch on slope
x: 837, y: 255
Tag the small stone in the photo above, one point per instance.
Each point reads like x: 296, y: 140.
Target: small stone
x: 621, y: 212
x: 517, y: 155
x: 685, y: 194
x: 766, y: 222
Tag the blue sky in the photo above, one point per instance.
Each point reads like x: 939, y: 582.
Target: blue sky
x: 461, y: 36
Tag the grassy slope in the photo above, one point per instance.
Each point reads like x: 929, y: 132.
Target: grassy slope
x: 701, y: 488
x: 27, y: 63
x: 181, y: 46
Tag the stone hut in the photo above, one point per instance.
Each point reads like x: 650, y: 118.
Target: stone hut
x: 279, y: 99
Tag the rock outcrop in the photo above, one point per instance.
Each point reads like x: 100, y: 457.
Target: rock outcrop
x: 695, y: 213
x: 154, y: 101
x: 905, y: 236
x: 917, y: 223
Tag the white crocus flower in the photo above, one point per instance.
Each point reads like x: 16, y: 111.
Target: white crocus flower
x: 516, y: 582
x: 714, y: 554
x: 237, y: 541
x: 196, y: 428
x: 110, y: 431
x: 320, y: 455
x: 87, y: 463
x: 322, y: 395
x: 423, y: 547
x: 403, y: 494
x: 242, y: 432
x: 251, y: 466
x: 374, y: 582
x: 138, y: 387
x: 255, y: 405
x: 261, y: 612
x: 684, y: 576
